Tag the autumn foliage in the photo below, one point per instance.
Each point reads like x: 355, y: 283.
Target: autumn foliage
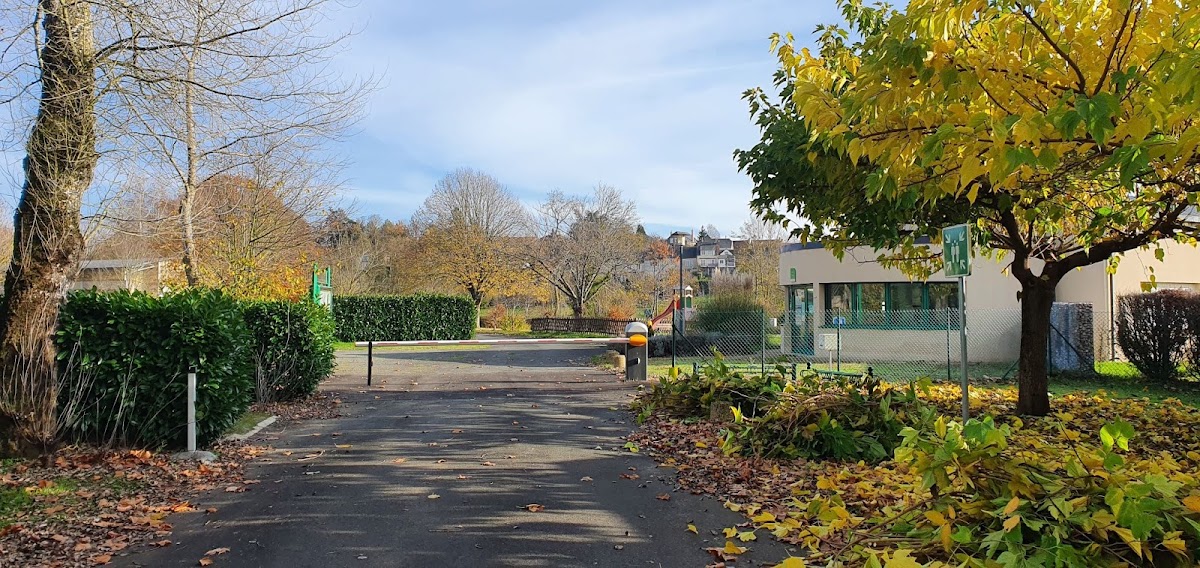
x: 1103, y: 482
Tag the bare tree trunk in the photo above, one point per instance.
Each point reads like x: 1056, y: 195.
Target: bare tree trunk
x: 47, y: 241
x: 188, y: 198
x: 1037, y: 300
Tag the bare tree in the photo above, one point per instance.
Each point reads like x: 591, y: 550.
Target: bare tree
x: 229, y: 85
x: 583, y: 243
x: 758, y: 259
x: 154, y: 69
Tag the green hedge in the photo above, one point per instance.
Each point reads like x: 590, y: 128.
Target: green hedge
x: 124, y: 362
x: 292, y: 349
x: 403, y: 318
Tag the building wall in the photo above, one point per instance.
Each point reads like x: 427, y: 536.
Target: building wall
x: 993, y: 312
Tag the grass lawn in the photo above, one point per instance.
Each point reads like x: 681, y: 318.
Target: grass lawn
x: 247, y: 422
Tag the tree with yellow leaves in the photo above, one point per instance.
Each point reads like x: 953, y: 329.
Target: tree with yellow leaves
x: 1065, y: 131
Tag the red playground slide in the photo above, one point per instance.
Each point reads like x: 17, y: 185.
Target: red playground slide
x: 661, y: 317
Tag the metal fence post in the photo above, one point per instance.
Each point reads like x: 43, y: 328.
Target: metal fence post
x: 762, y: 355
x: 370, y: 359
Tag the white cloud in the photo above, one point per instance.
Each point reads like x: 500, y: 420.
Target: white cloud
x: 644, y: 96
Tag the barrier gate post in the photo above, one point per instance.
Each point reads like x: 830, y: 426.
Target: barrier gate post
x: 637, y: 353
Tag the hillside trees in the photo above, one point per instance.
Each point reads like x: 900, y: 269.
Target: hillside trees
x: 1065, y: 132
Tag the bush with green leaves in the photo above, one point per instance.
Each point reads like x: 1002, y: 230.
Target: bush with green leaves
x: 842, y: 418
x: 403, y: 318
x: 1153, y: 331
x: 715, y: 388
x: 125, y: 357
x: 292, y: 348
x: 995, y: 504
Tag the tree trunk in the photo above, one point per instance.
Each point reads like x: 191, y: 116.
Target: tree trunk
x: 188, y: 199
x: 1037, y: 299
x: 61, y: 159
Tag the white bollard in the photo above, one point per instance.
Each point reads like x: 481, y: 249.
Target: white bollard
x: 191, y: 412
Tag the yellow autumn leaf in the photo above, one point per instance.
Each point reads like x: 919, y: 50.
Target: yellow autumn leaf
x: 936, y: 518
x: 792, y: 562
x: 1192, y: 502
x: 824, y: 483
x: 1175, y: 545
x: 731, y: 548
x: 763, y: 517
x: 1012, y: 522
x: 700, y: 444
x: 944, y: 533
x: 1127, y: 536
x: 747, y: 536
x: 1012, y: 505
x: 730, y: 532
x: 1193, y: 455
x: 902, y: 558
x: 692, y: 529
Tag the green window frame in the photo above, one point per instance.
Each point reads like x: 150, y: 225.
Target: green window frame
x: 891, y: 305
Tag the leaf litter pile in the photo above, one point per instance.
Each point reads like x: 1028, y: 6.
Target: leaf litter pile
x: 319, y: 406
x: 90, y: 505
x: 790, y: 499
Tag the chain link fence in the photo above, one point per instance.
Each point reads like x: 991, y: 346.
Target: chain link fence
x: 893, y: 344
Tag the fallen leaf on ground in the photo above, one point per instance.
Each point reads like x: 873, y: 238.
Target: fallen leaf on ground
x: 692, y: 529
x: 399, y: 461
x: 456, y: 431
x: 488, y: 463
x: 585, y: 479
x: 161, y: 543
x: 629, y: 476
x: 101, y: 560
x: 664, y: 497
x: 534, y: 508
x: 434, y: 496
x: 206, y: 561
x: 216, y: 551
x: 342, y: 446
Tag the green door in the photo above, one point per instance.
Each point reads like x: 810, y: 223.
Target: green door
x: 800, y: 317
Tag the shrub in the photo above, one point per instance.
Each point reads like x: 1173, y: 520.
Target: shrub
x: 513, y: 322
x: 730, y: 314
x: 1152, y: 330
x: 292, y: 348
x: 701, y: 345
x: 493, y: 316
x: 125, y: 358
x: 714, y: 389
x: 844, y: 419
x: 403, y: 318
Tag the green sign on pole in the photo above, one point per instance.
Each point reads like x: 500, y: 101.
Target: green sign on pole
x: 956, y: 250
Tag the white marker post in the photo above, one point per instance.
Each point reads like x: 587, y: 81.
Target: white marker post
x: 956, y: 256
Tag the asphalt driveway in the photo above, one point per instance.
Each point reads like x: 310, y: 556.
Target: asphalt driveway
x: 505, y: 456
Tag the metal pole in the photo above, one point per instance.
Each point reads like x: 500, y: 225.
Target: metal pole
x: 191, y: 412
x: 948, y: 377
x: 762, y: 355
x: 677, y: 313
x: 962, y: 337
x: 370, y: 360
x: 839, y: 344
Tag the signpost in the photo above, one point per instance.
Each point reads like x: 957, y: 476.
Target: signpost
x: 956, y: 255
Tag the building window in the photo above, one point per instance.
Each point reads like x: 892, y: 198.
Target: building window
x: 891, y: 305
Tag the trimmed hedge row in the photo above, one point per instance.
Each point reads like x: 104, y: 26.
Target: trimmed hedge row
x: 403, y: 318
x: 125, y: 358
x: 293, y: 348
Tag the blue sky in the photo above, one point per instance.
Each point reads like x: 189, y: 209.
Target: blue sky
x: 644, y: 96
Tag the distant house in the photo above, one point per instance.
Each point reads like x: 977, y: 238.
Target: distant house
x: 122, y: 274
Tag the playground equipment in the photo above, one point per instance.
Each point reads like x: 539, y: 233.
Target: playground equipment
x: 663, y: 324
x: 322, y: 292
